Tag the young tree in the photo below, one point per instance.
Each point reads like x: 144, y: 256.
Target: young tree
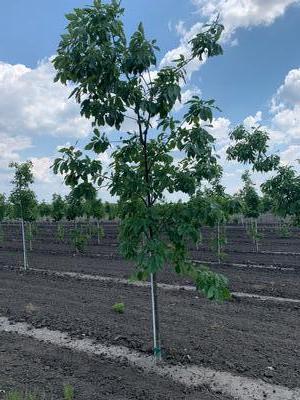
x: 111, y: 210
x: 115, y: 80
x: 23, y: 199
x: 251, y: 206
x: 284, y: 190
x: 44, y: 209
x: 58, y: 207
x: 74, y: 207
x: 3, y: 212
x: 222, y: 206
x: 2, y: 207
x: 95, y: 209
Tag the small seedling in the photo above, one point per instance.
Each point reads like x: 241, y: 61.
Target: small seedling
x: 15, y: 395
x: 79, y: 240
x: 68, y: 392
x: 60, y: 234
x: 119, y: 308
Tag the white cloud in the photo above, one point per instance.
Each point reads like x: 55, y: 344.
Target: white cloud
x: 233, y: 14
x: 291, y: 154
x: 10, y: 146
x: 252, y: 121
x: 32, y: 104
x: 236, y: 14
x: 184, y: 48
x: 288, y: 121
x: 41, y: 169
x: 289, y: 92
x: 220, y: 130
x: 285, y: 106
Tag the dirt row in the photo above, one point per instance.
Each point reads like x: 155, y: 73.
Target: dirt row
x: 272, y: 282
x: 256, y: 339
x: 235, y: 235
x: 44, y: 369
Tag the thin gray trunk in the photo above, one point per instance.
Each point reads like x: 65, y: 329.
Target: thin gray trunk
x: 256, y: 238
x: 30, y: 236
x: 25, y: 262
x: 155, y: 318
x: 98, y: 233
x: 218, y: 243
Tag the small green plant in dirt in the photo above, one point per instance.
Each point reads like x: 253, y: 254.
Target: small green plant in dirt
x: 15, y: 395
x: 97, y: 230
x: 1, y: 234
x: 219, y: 241
x: 284, y: 230
x: 31, y: 232
x: 68, y: 392
x: 119, y: 308
x: 253, y: 233
x: 60, y: 233
x: 79, y: 240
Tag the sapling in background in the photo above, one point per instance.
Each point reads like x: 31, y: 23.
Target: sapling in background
x: 58, y: 208
x: 2, y: 215
x: 23, y: 200
x: 222, y: 207
x: 284, y: 189
x: 251, y: 208
x: 94, y: 209
x: 44, y: 210
x: 60, y: 232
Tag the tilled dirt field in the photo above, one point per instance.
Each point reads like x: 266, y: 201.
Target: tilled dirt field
x: 274, y: 282
x: 256, y: 339
x: 278, y: 275
x: 247, y: 337
x: 28, y: 365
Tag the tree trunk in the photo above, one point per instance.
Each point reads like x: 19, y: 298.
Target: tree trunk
x: 218, y: 242
x: 30, y: 236
x: 155, y: 318
x: 256, y: 238
x: 25, y: 262
x: 98, y: 233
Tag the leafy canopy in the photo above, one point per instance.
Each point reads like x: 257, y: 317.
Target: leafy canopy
x: 22, y: 198
x: 115, y: 79
x: 284, y: 190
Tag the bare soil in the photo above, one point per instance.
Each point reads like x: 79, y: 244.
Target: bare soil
x: 246, y: 337
x: 255, y: 339
x: 30, y: 366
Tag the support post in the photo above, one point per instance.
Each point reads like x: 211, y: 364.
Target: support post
x: 155, y: 318
x: 25, y: 262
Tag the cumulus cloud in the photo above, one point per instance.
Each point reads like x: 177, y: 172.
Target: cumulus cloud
x: 233, y: 14
x: 285, y: 106
x: 32, y: 104
x: 220, y: 130
x: 184, y: 48
x: 253, y: 120
x: 291, y: 154
x: 236, y: 14
x: 10, y: 146
x: 289, y: 91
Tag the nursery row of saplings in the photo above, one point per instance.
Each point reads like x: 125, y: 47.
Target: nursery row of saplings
x: 22, y: 204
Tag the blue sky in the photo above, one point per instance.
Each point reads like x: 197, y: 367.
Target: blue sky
x: 256, y: 78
